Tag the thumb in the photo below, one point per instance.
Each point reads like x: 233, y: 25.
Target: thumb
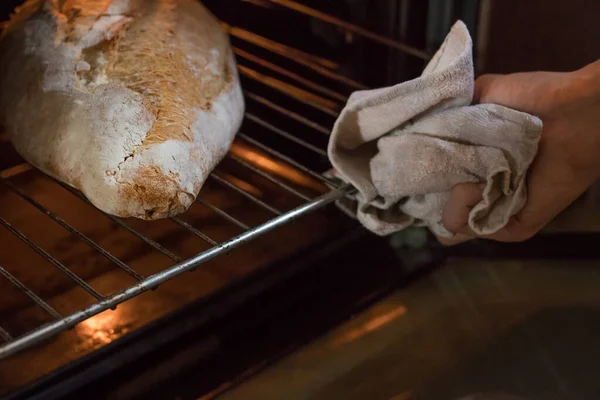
x: 530, y: 92
x: 484, y: 85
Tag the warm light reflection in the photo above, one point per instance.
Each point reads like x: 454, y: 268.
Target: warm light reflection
x: 277, y: 168
x: 261, y: 3
x: 102, y: 329
x: 286, y: 51
x: 371, y: 325
x: 302, y: 95
x: 15, y: 170
x: 402, y: 396
x: 245, y: 186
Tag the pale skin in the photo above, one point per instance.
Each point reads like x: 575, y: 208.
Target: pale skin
x: 568, y: 159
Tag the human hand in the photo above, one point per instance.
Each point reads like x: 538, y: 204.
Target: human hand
x: 568, y: 158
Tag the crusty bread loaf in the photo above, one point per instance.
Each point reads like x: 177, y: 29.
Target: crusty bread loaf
x: 133, y: 102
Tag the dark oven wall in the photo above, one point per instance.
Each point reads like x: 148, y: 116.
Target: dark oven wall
x: 6, y: 8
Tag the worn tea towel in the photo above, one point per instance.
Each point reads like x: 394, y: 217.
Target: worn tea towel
x: 406, y: 146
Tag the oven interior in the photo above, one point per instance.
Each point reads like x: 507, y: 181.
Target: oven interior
x: 75, y: 280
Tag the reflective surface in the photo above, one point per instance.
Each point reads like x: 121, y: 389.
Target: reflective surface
x: 528, y: 329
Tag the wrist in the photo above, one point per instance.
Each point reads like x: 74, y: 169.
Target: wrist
x: 579, y: 113
x: 590, y: 79
x: 585, y: 83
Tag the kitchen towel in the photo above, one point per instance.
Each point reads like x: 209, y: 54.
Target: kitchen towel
x: 406, y: 146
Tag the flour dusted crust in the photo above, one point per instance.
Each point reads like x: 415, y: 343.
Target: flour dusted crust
x: 133, y: 102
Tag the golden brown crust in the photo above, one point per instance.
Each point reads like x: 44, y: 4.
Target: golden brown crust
x: 136, y: 100
x: 161, y: 192
x: 151, y: 55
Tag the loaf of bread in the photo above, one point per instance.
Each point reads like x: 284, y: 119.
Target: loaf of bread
x: 133, y: 102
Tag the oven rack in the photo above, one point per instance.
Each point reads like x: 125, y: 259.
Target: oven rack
x: 301, y: 90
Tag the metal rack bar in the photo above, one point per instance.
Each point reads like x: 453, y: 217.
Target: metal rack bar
x: 36, y: 299
x: 245, y: 194
x: 124, y: 225
x: 51, y: 259
x: 289, y: 74
x: 287, y: 159
x: 144, y: 238
x: 286, y: 135
x: 74, y: 231
x: 301, y: 8
x: 193, y: 230
x: 295, y: 55
x: 280, y: 48
x: 5, y: 335
x: 286, y: 112
x: 155, y: 280
x: 327, y: 106
x: 223, y: 214
x: 269, y: 177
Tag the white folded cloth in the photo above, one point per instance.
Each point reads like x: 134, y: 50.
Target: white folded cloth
x: 406, y: 146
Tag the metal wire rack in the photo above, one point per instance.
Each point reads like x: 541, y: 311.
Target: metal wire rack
x: 304, y: 91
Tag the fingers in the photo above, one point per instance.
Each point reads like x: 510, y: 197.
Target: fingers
x: 457, y: 239
x: 548, y: 195
x: 462, y: 199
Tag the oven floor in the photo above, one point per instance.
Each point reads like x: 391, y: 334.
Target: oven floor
x: 529, y: 329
